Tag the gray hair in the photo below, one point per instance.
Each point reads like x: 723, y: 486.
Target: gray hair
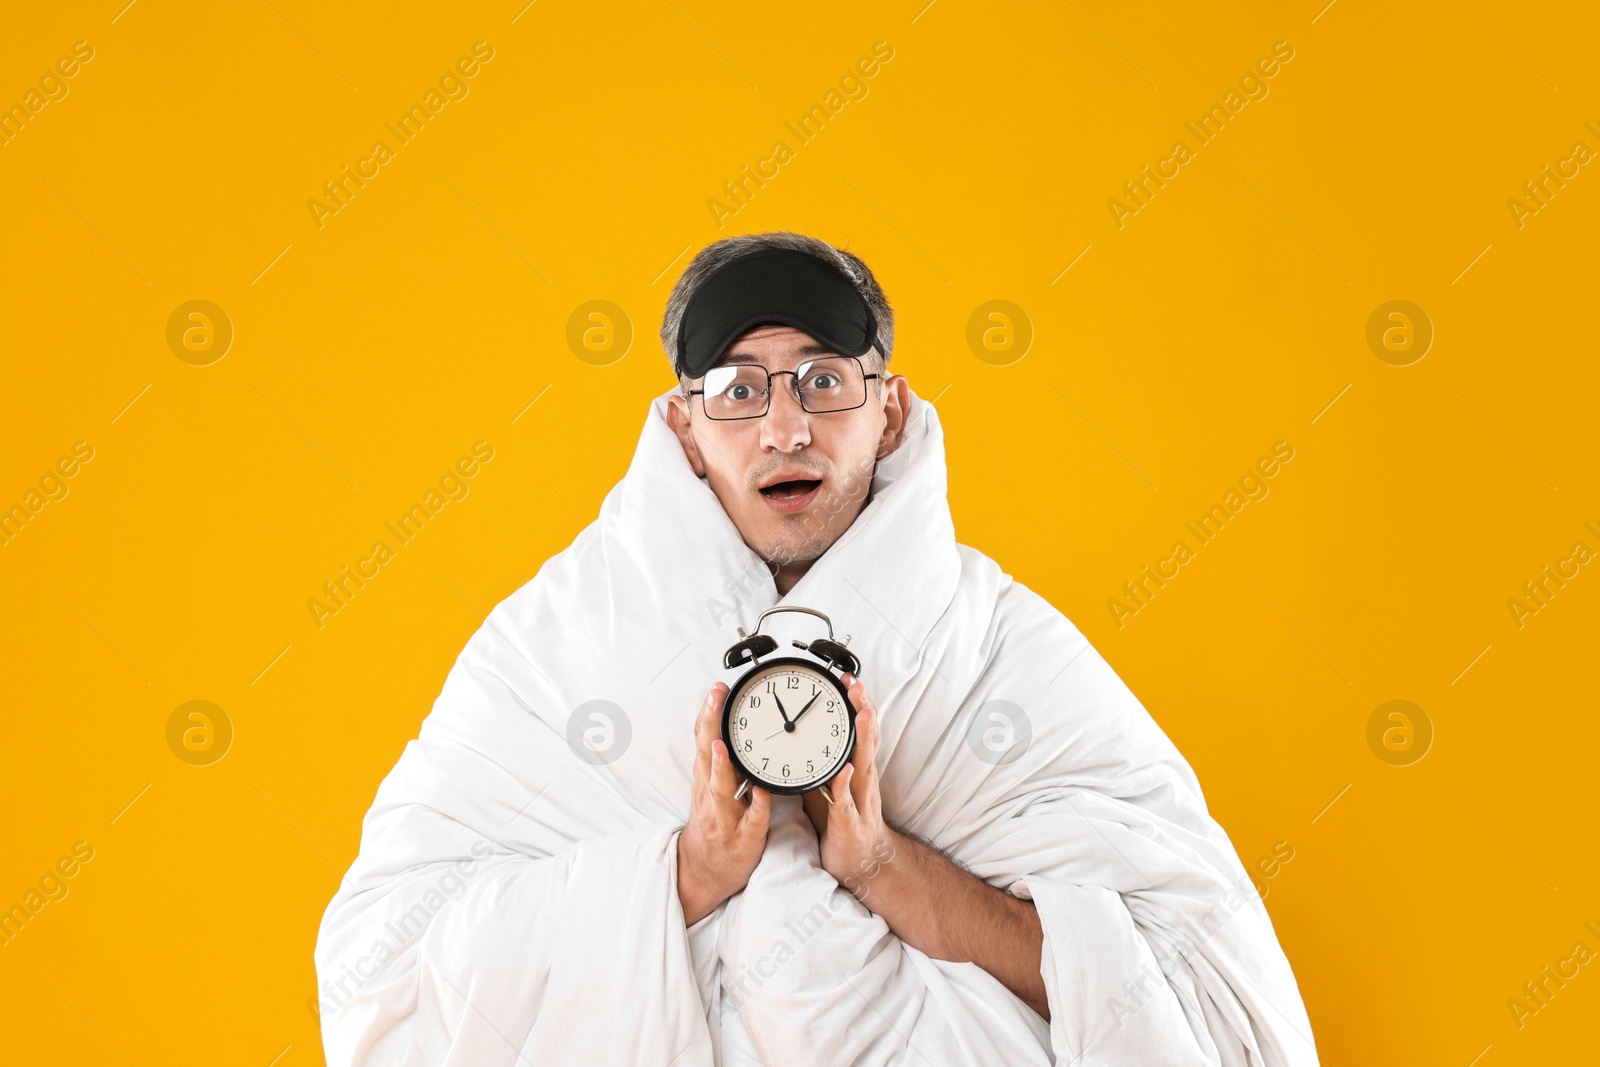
x: 717, y: 253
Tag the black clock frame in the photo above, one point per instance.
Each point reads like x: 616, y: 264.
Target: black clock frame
x: 833, y: 656
x: 737, y: 689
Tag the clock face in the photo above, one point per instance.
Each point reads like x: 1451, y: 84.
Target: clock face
x: 789, y: 725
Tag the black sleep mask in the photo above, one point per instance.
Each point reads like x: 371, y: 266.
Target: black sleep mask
x: 778, y: 285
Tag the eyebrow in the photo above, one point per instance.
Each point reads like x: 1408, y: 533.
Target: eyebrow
x: 810, y: 349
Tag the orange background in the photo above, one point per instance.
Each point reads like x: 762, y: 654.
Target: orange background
x: 432, y: 309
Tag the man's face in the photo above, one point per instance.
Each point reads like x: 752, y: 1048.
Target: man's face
x: 792, y: 481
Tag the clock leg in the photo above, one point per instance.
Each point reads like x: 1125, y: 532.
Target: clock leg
x: 826, y: 794
x: 744, y: 787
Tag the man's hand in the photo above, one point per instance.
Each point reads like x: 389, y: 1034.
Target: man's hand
x: 928, y: 901
x: 725, y: 837
x: 854, y: 839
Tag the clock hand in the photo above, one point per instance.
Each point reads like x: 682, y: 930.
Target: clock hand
x: 785, y: 714
x: 807, y: 708
x: 788, y: 723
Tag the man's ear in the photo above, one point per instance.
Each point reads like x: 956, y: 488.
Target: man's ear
x: 678, y: 419
x: 896, y: 406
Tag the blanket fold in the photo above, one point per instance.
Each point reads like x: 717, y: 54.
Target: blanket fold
x: 515, y: 897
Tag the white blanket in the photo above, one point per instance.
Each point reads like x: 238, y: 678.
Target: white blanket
x: 515, y: 897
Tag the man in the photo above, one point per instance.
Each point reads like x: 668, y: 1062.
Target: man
x: 1015, y: 866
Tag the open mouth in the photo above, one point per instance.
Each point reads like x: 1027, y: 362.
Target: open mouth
x: 791, y: 495
x: 790, y: 490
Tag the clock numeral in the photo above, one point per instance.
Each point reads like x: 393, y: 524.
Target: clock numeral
x: 835, y: 729
x: 786, y: 770
x: 743, y: 723
x: 763, y: 762
x: 755, y: 701
x: 748, y: 745
x: 825, y: 751
x: 794, y: 681
x: 772, y: 685
x: 808, y: 767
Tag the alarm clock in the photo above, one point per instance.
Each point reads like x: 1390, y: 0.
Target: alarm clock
x: 788, y: 722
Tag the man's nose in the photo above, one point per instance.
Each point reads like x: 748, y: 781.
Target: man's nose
x: 786, y: 426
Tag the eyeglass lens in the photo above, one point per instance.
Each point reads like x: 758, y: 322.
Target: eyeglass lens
x: 743, y: 390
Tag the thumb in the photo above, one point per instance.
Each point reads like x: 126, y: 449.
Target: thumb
x: 816, y: 808
x: 843, y: 798
x: 760, y: 810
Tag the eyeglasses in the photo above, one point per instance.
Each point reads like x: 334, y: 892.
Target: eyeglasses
x: 744, y: 390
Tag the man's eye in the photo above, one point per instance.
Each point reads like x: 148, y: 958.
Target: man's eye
x: 738, y: 392
x: 822, y: 381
